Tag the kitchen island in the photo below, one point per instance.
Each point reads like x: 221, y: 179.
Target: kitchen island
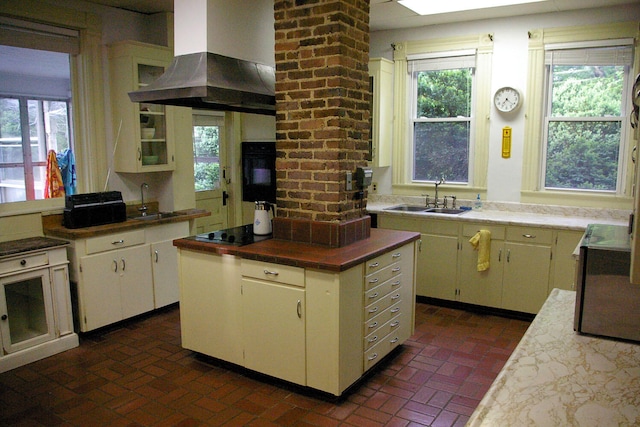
x: 311, y: 315
x: 556, y: 377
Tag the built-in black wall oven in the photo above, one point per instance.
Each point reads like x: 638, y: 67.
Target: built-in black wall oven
x: 259, y: 171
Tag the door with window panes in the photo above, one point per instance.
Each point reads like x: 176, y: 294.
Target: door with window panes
x: 209, y: 169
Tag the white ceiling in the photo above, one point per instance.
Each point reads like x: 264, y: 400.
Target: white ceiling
x: 388, y: 14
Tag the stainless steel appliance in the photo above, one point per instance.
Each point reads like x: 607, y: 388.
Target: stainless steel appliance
x: 607, y: 303
x: 236, y: 236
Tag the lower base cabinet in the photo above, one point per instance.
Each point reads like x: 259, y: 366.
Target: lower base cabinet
x: 301, y: 325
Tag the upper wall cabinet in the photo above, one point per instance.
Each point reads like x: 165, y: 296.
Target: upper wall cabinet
x: 143, y: 132
x: 381, y: 73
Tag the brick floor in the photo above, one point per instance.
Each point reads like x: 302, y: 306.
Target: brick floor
x: 137, y: 374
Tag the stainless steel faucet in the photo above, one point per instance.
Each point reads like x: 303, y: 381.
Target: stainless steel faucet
x: 436, y: 202
x: 143, y: 208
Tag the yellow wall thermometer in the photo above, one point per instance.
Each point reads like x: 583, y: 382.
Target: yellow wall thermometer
x: 506, y: 142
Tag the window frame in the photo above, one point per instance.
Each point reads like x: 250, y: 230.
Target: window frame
x: 88, y: 111
x: 534, y: 155
x: 438, y: 62
x: 402, y: 170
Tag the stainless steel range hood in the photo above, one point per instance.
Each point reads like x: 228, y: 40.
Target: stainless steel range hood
x: 215, y: 82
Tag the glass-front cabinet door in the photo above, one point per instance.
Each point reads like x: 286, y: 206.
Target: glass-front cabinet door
x: 143, y: 132
x: 26, y: 310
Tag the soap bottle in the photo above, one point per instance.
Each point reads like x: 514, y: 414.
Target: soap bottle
x: 477, y: 206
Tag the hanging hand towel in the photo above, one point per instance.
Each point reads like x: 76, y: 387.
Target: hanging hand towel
x: 482, y: 243
x: 67, y: 164
x: 53, y: 183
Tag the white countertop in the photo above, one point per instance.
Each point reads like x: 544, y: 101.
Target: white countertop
x: 556, y: 377
x: 567, y: 218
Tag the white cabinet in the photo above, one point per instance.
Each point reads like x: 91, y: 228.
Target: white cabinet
x: 143, y: 132
x: 481, y: 287
x: 564, y: 262
x: 211, y: 305
x: 525, y: 285
x: 521, y: 274
x: 121, y: 275
x: 116, y: 285
x: 381, y: 74
x: 35, y: 306
x: 273, y: 313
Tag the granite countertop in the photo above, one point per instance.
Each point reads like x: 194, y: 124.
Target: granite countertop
x: 52, y: 225
x: 29, y: 244
x: 565, y: 218
x: 308, y: 255
x: 556, y: 377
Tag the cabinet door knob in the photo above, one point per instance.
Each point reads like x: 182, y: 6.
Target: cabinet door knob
x: 23, y: 262
x: 4, y: 317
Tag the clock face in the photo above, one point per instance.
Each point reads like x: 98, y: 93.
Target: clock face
x: 507, y: 99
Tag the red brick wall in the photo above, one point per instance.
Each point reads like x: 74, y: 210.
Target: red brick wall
x: 322, y: 106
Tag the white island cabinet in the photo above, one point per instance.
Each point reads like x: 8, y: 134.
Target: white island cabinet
x: 304, y: 325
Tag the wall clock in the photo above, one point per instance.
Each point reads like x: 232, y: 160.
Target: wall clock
x: 507, y: 99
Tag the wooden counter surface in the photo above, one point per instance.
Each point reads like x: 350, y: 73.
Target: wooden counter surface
x: 307, y: 255
x: 52, y: 225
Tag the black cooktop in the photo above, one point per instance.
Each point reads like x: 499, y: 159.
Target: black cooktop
x: 237, y: 236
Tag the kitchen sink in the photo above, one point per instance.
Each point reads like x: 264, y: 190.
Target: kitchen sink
x: 159, y: 215
x: 407, y: 208
x: 448, y: 211
x: 412, y: 208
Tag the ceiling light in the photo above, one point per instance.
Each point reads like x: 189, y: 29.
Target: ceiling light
x: 422, y: 7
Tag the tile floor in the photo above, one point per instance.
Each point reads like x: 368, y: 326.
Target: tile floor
x: 136, y: 374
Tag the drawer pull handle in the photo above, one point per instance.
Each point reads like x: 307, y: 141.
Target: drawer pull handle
x: 23, y: 262
x: 394, y: 324
x: 299, y: 309
x: 373, y: 325
x: 396, y: 255
x: 374, y: 265
x: 117, y: 242
x: 396, y: 283
x: 372, y: 339
x: 395, y: 270
x: 273, y: 273
x: 374, y: 356
x: 375, y: 295
x: 373, y: 310
x: 529, y: 236
x: 395, y: 310
x: 395, y: 340
x: 373, y: 280
x: 395, y: 297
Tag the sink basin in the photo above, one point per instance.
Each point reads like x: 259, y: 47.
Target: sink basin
x: 159, y: 215
x: 407, y: 208
x: 447, y: 211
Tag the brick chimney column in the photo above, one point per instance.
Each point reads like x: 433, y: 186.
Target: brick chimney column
x: 322, y: 118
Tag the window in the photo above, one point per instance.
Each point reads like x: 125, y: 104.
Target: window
x: 442, y: 101
x: 584, y: 114
x: 577, y: 136
x: 29, y: 128
x: 207, y: 133
x: 440, y: 87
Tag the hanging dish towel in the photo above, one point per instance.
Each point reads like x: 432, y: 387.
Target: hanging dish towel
x: 482, y: 243
x: 67, y: 164
x: 53, y: 186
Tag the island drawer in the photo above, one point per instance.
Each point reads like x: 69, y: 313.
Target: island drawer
x: 386, y: 259
x: 114, y: 241
x: 374, y: 354
x: 380, y: 276
x: 376, y: 322
x: 278, y: 273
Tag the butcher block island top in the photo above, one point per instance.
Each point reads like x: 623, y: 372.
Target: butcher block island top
x: 306, y: 255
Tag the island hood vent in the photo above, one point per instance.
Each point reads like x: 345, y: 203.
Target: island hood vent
x: 213, y: 82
